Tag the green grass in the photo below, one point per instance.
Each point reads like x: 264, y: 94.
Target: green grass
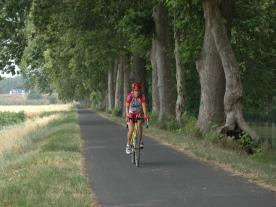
x: 47, y: 171
x: 9, y: 118
x: 259, y: 167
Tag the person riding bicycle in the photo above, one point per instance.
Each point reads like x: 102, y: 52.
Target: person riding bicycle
x: 135, y: 101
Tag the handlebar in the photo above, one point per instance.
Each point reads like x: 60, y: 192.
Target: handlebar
x: 140, y: 118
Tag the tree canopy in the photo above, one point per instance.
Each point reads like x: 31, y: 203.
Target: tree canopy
x: 71, y: 46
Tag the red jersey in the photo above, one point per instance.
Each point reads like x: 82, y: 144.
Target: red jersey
x: 135, y: 104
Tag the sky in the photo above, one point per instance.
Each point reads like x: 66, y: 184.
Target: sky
x: 10, y: 75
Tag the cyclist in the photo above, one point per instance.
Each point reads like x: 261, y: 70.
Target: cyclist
x: 135, y: 101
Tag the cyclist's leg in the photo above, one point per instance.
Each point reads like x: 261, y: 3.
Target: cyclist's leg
x: 140, y: 126
x: 130, y: 130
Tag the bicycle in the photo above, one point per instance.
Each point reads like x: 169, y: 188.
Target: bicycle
x: 135, y: 142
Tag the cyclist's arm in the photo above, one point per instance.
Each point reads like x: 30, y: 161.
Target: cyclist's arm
x: 127, y: 109
x: 144, y: 106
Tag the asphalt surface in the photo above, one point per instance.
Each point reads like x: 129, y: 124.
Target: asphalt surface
x: 166, y: 178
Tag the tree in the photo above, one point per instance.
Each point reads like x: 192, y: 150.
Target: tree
x: 13, y: 14
x: 233, y: 90
x: 165, y: 70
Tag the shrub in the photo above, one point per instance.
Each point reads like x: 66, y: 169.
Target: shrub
x: 153, y: 118
x: 188, y: 123
x: 116, y: 112
x: 34, y: 95
x: 247, y: 143
x: 212, y: 137
x: 169, y: 124
x: 53, y: 100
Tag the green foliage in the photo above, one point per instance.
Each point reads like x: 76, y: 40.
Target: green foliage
x: 34, y: 94
x: 116, y: 112
x: 189, y: 21
x: 188, y: 123
x: 187, y: 126
x: 53, y: 99
x: 137, y: 25
x: 153, y: 118
x: 212, y: 137
x: 95, y: 100
x: 12, y: 39
x: 253, y: 39
x: 247, y: 143
x: 9, y: 118
x: 169, y: 124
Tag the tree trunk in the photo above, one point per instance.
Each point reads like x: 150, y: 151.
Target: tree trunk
x: 119, y: 86
x: 233, y: 92
x: 180, y: 78
x: 115, y: 70
x: 155, y: 93
x: 104, y: 103
x: 110, y: 90
x: 212, y: 83
x: 139, y: 72
x: 166, y: 78
x: 126, y: 80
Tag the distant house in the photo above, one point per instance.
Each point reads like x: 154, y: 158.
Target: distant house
x: 17, y: 92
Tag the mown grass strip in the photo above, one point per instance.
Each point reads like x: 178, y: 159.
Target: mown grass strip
x: 48, y: 171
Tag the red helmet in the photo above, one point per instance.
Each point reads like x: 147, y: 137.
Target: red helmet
x: 136, y: 86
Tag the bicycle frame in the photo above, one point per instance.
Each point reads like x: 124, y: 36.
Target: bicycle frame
x: 134, y: 135
x: 135, y: 143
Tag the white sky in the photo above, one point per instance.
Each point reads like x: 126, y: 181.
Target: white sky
x: 10, y: 75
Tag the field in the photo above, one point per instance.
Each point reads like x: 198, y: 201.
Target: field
x: 6, y: 99
x: 35, y: 110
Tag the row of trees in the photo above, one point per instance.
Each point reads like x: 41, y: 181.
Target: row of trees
x: 209, y: 57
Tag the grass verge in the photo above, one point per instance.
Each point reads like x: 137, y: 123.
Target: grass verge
x: 259, y: 168
x: 48, y: 169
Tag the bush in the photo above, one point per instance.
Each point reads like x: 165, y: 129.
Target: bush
x: 212, y: 137
x: 53, y: 100
x: 247, y: 143
x: 153, y: 118
x: 188, y: 123
x: 9, y: 118
x: 169, y: 124
x: 34, y: 95
x: 116, y: 112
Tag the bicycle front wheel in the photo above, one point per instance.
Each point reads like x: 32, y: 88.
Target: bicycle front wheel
x: 132, y: 157
x: 137, y: 152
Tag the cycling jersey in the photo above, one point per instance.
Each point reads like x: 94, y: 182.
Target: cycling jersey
x: 135, y: 103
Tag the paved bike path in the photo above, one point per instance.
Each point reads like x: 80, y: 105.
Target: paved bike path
x: 166, y: 178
